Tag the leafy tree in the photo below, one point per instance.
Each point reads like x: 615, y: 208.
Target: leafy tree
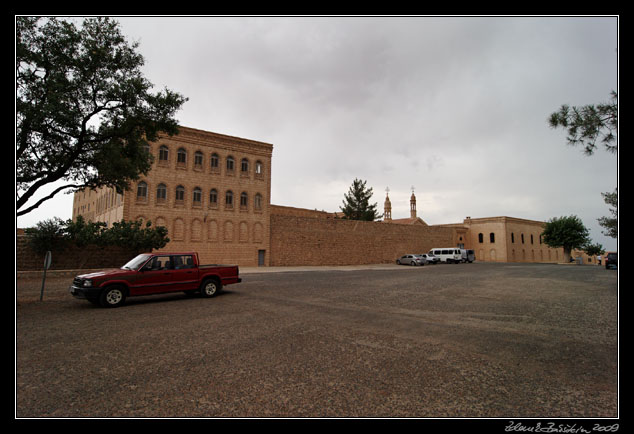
x: 84, y: 110
x: 56, y: 234
x: 83, y: 232
x: 589, y: 123
x: 567, y: 232
x: 47, y: 235
x: 593, y: 249
x: 610, y: 223
x: 356, y: 204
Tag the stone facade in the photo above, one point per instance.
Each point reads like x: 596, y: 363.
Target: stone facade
x: 210, y: 190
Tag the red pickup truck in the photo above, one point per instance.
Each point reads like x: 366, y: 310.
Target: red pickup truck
x: 154, y: 273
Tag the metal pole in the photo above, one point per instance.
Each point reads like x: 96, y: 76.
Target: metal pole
x: 47, y: 263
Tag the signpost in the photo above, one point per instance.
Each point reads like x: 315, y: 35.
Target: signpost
x: 47, y: 264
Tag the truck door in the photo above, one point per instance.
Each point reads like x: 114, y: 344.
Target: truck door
x: 154, y: 276
x: 185, y: 273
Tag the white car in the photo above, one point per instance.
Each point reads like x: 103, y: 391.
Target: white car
x: 430, y: 259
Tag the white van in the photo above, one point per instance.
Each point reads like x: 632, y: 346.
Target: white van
x: 468, y: 255
x: 447, y: 254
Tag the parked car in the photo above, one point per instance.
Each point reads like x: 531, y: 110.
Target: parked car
x: 154, y: 273
x: 430, y: 259
x: 411, y: 260
x: 611, y: 260
x: 449, y: 255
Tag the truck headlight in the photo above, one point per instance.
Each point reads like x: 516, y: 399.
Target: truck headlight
x: 87, y: 283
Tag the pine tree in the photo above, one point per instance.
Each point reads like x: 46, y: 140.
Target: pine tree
x: 356, y: 204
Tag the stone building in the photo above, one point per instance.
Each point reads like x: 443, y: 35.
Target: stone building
x: 210, y: 190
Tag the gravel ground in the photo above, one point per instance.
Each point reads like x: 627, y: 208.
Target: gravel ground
x: 458, y: 341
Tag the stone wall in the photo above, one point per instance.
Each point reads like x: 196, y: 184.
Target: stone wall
x: 71, y: 258
x: 298, y: 240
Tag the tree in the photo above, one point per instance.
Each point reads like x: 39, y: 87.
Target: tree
x: 84, y: 111
x: 611, y: 224
x: 356, y: 204
x: 588, y: 123
x: 56, y: 234
x: 567, y: 232
x: 593, y: 249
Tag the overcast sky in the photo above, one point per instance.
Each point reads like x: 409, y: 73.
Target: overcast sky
x: 455, y: 106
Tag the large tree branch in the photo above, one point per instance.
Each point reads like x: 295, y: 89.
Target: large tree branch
x: 44, y: 199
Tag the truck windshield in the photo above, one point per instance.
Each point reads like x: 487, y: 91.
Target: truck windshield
x: 135, y: 263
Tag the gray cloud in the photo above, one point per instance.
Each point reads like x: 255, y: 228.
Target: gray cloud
x: 456, y: 106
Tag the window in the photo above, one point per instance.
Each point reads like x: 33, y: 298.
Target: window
x: 214, y: 161
x: 522, y: 238
x: 181, y: 156
x: 480, y: 238
x: 180, y: 193
x: 492, y: 237
x: 512, y: 237
x: 198, y: 159
x: 141, y: 190
x: 244, y: 165
x: 183, y: 262
x: 213, y: 197
x: 197, y: 196
x: 258, y: 201
x: 163, y: 153
x: 258, y: 168
x: 229, y: 199
x: 244, y: 200
x: 161, y: 193
x: 230, y: 164
x: 531, y: 238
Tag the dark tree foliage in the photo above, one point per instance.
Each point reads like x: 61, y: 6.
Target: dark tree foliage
x: 611, y: 224
x: 356, y: 204
x: 84, y: 110
x: 567, y: 232
x: 56, y: 234
x: 590, y: 123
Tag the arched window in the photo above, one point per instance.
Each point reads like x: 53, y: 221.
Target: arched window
x: 480, y: 238
x: 213, y: 197
x: 161, y: 193
x: 258, y: 167
x: 141, y: 190
x: 164, y: 153
x: 244, y: 165
x: 181, y: 156
x: 512, y: 237
x: 180, y: 193
x: 229, y: 199
x: 258, y: 201
x: 198, y: 159
x: 492, y: 237
x: 244, y: 199
x: 197, y: 196
x: 214, y: 161
x: 230, y: 164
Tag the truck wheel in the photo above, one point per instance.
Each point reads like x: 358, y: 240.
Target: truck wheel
x: 209, y: 288
x: 112, y: 296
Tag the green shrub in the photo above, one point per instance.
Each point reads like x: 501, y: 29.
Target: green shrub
x: 56, y: 234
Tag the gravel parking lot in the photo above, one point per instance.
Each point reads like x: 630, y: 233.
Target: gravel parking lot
x: 468, y: 340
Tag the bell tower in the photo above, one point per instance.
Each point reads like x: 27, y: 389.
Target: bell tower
x: 412, y: 204
x: 387, y: 206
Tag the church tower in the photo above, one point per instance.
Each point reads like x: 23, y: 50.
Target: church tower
x: 412, y: 205
x: 387, y: 207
